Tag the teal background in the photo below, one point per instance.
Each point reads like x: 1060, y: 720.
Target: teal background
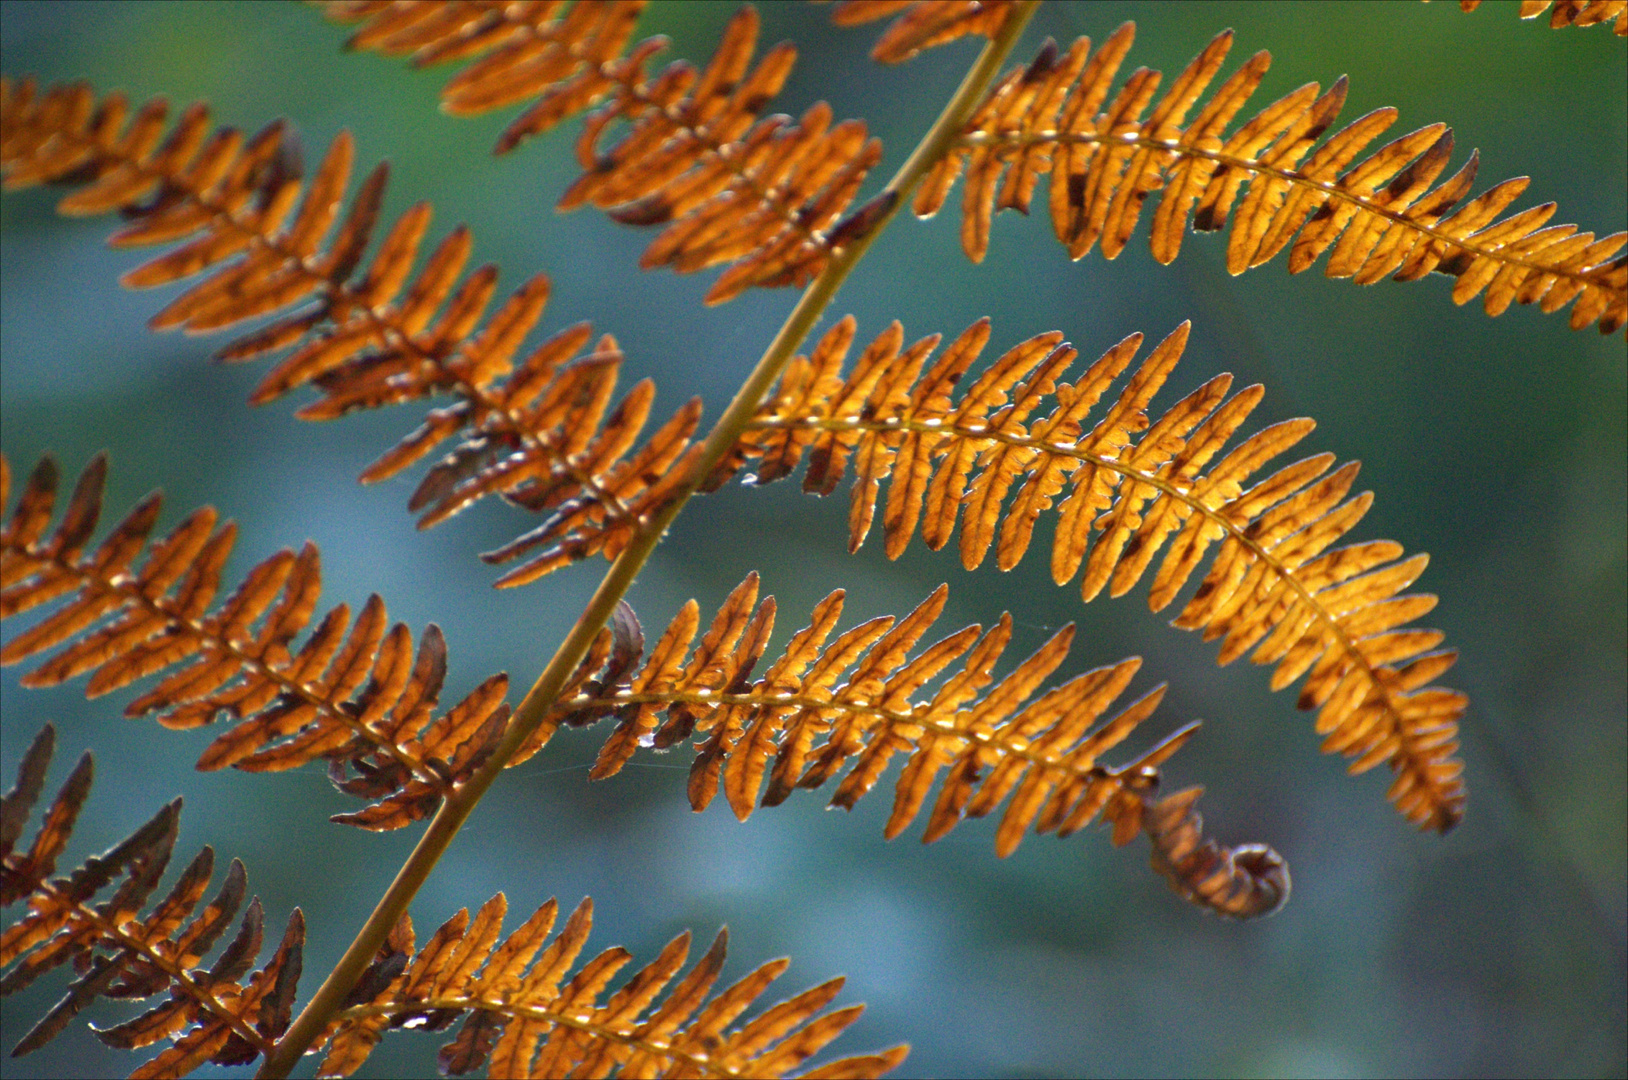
x: 1496, y: 445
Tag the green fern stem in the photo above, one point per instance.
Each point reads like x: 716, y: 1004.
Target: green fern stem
x: 538, y: 702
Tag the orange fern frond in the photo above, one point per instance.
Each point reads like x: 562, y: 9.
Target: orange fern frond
x: 767, y: 196
x: 921, y: 24
x: 852, y: 702
x: 357, y: 699
x: 1571, y: 12
x: 1126, y: 488
x: 1375, y: 217
x: 523, y: 1023
x: 542, y: 433
x: 212, y: 1015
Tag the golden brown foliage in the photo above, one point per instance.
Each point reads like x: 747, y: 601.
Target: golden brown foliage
x: 1375, y: 217
x: 768, y: 197
x: 826, y: 705
x: 518, y: 1016
x: 542, y: 433
x: 921, y: 24
x: 358, y: 699
x: 521, y: 1022
x: 212, y: 1016
x: 764, y: 195
x: 1125, y: 488
x: 1571, y: 12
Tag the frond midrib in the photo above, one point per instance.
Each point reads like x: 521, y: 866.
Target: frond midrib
x: 1014, y: 746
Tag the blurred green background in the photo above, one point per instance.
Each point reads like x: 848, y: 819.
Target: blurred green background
x: 1496, y: 445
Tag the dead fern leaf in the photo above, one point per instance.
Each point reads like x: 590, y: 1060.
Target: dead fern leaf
x: 1125, y: 489
x: 1571, y: 12
x: 519, y: 1020
x: 358, y: 699
x: 852, y: 702
x: 213, y: 1015
x: 767, y: 196
x: 1374, y: 217
x: 1242, y: 882
x: 921, y: 24
x: 542, y: 432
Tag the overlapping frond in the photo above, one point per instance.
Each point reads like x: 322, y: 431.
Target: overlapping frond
x: 921, y: 24
x: 1124, y: 489
x: 222, y: 1015
x: 845, y: 705
x: 1375, y: 217
x: 767, y: 195
x: 1571, y: 12
x: 541, y: 432
x: 353, y: 694
x: 523, y: 1018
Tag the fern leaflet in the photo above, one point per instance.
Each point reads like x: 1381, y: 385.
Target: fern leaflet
x: 521, y: 1022
x: 1375, y: 217
x: 765, y: 195
x: 852, y: 702
x: 212, y: 1016
x: 359, y: 699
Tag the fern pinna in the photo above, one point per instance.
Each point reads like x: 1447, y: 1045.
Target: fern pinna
x: 367, y: 316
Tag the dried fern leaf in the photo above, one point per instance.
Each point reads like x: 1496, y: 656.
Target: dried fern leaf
x: 767, y: 196
x: 523, y: 1017
x: 850, y: 703
x: 357, y: 698
x: 540, y: 431
x: 1125, y: 489
x: 1375, y: 217
x: 212, y: 1015
x: 921, y: 24
x: 1571, y: 12
x: 1242, y: 882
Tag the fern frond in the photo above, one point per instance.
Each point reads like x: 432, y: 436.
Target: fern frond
x: 1124, y: 489
x: 921, y: 24
x: 519, y: 1020
x: 852, y: 702
x: 358, y: 699
x: 211, y: 1016
x: 767, y: 196
x: 1571, y: 12
x: 1374, y: 217
x: 542, y: 433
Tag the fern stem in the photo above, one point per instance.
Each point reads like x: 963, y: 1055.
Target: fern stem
x: 329, y: 998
